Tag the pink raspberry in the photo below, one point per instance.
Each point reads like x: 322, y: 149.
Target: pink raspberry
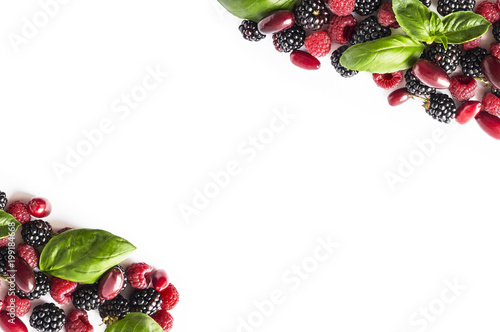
x: 61, y: 290
x: 139, y: 275
x: 389, y: 80
x: 471, y: 44
x: 21, y: 306
x: 78, y: 321
x: 491, y: 104
x: 318, y: 44
x: 386, y: 16
x: 170, y: 297
x: 3, y: 242
x: 341, y: 7
x: 495, y: 50
x: 341, y: 28
x: 488, y: 10
x: 29, y: 254
x: 164, y: 319
x: 19, y: 210
x: 462, y: 87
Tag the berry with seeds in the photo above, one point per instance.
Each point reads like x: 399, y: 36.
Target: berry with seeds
x: 304, y: 60
x: 42, y: 287
x: 4, y: 260
x: 488, y: 10
x: 170, y: 297
x: 398, y: 97
x: 318, y: 44
x: 463, y: 88
x: 389, y: 80
x: 36, y: 232
x: 47, y: 317
x: 87, y: 298
x: 386, y: 16
x: 342, y: 7
x: 290, y: 39
x: 369, y: 29
x: 471, y: 62
x: 78, y: 321
x: 495, y: 50
x: 335, y: 58
x: 148, y: 301
x: 496, y: 31
x: 10, y: 324
x: 29, y: 254
x: 139, y: 275
x: 341, y: 28
x: 441, y: 107
x: 250, y: 32
x: 468, y: 111
x: 448, y: 58
x: 489, y: 123
x: 415, y: 87
x: 312, y: 14
x: 491, y: 104
x: 19, y: 306
x: 19, y: 210
x: 39, y: 207
x: 445, y: 7
x: 113, y: 310
x: 4, y: 241
x: 366, y: 7
x: 160, y: 280
x: 471, y: 44
x: 276, y: 22
x: 62, y: 290
x: 164, y: 319
x: 426, y: 3
x: 3, y: 200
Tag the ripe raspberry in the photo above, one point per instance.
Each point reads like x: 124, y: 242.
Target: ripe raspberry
x: 170, y: 297
x: 29, y: 254
x: 341, y: 7
x: 19, y: 210
x: 21, y: 306
x: 488, y: 10
x: 386, y: 16
x: 389, y: 80
x: 471, y: 44
x: 491, y: 104
x: 139, y: 275
x: 62, y: 290
x: 318, y: 44
x: 78, y: 321
x: 495, y: 50
x: 341, y: 28
x: 463, y: 88
x: 4, y: 241
x: 164, y: 319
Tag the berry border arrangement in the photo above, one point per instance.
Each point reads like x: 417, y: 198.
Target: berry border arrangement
x: 429, y: 47
x: 78, y: 267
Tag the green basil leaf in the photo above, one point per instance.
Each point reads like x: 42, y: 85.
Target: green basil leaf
x: 461, y: 27
x: 255, y: 10
x: 417, y: 20
x: 385, y: 55
x: 83, y: 255
x: 442, y: 39
x: 135, y: 322
x: 8, y: 224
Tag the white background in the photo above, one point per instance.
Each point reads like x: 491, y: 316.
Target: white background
x: 323, y: 176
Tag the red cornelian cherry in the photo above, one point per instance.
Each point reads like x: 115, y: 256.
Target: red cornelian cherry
x: 397, y: 97
x: 490, y: 66
x: 24, y: 276
x: 304, y: 60
x: 10, y: 324
x: 111, y: 283
x: 160, y: 280
x: 489, y: 123
x: 279, y: 21
x: 431, y: 74
x: 468, y: 111
x: 39, y: 207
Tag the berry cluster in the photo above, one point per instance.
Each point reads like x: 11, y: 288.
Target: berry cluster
x: 314, y: 27
x: 152, y: 292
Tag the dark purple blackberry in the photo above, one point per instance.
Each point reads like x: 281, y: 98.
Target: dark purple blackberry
x: 426, y: 3
x: 496, y: 30
x: 496, y: 92
x: 471, y: 62
x: 369, y: 29
x: 290, y: 39
x: 250, y: 31
x: 87, y: 298
x: 36, y: 232
x: 4, y: 259
x: 47, y: 317
x: 366, y: 7
x: 125, y: 278
x: 415, y: 87
x: 441, y: 107
x: 42, y: 287
x: 448, y: 59
x: 445, y: 7
x: 312, y: 14
x: 3, y: 200
x: 114, y: 310
x: 148, y: 301
x: 335, y: 58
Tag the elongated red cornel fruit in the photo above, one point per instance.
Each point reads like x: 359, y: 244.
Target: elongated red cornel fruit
x: 10, y: 324
x: 304, y: 60
x: 431, y: 74
x: 468, y: 111
x: 25, y: 277
x: 489, y: 123
x: 279, y: 21
x: 397, y: 97
x: 490, y: 66
x: 111, y: 283
x: 160, y: 280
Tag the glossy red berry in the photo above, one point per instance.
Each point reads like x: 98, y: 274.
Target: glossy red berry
x: 489, y: 123
x: 468, y: 111
x: 431, y: 74
x: 25, y: 277
x: 304, y: 60
x: 111, y: 283
x: 10, y: 324
x: 39, y: 207
x: 276, y: 22
x: 398, y: 97
x: 160, y: 280
x: 490, y: 66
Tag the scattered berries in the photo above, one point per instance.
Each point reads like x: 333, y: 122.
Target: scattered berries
x: 42, y: 287
x: 415, y: 87
x: 369, y: 29
x: 448, y: 58
x: 47, y: 317
x: 164, y: 319
x: 114, y: 310
x: 488, y: 10
x: 471, y: 44
x: 471, y: 62
x: 147, y: 301
x: 491, y: 104
x: 312, y: 14
x: 87, y: 298
x: 389, y: 80
x: 495, y: 50
x: 62, y: 290
x: 335, y: 58
x: 290, y: 39
x: 463, y: 88
x: 29, y: 254
x: 139, y: 275
x: 19, y: 210
x: 21, y: 306
x: 366, y: 7
x: 170, y: 297
x: 341, y: 28
x: 3, y: 200
x: 250, y: 31
x: 445, y: 7
x: 318, y: 44
x: 341, y: 7
x: 386, y: 16
x: 441, y: 107
x: 78, y: 321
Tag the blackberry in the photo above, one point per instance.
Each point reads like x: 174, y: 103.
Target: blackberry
x: 448, y: 59
x: 343, y: 71
x: 87, y: 297
x: 366, y: 7
x: 426, y: 3
x: 312, y: 14
x: 3, y: 200
x: 369, y: 29
x: 147, y: 301
x: 496, y: 92
x: 42, y: 287
x: 441, y: 107
x: 471, y: 62
x: 290, y: 39
x: 4, y: 259
x: 496, y: 30
x: 125, y: 278
x: 445, y: 7
x: 36, y: 232
x: 114, y: 310
x: 250, y: 31
x: 415, y: 87
x: 47, y: 317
